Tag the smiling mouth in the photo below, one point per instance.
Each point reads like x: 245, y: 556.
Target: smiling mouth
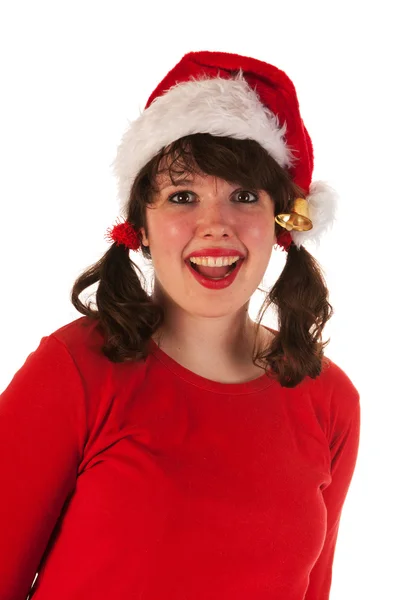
x: 232, y: 267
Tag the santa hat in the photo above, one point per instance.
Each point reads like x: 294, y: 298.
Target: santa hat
x: 228, y: 95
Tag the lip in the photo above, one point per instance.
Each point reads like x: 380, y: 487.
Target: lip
x: 216, y: 252
x: 216, y: 284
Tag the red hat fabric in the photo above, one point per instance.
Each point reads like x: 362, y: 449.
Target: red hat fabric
x: 227, y: 94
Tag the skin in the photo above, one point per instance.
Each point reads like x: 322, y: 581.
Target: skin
x: 212, y: 324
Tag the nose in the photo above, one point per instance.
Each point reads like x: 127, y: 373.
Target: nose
x: 216, y: 219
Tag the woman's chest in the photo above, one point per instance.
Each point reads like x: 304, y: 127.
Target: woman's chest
x: 196, y: 491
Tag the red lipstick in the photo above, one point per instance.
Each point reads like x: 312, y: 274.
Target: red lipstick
x: 215, y: 284
x: 216, y: 252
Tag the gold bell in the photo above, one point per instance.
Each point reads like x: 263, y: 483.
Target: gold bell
x: 298, y: 219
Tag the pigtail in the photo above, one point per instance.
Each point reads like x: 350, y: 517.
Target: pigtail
x: 300, y: 297
x: 127, y: 316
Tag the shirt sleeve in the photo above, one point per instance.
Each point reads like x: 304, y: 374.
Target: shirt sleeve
x: 42, y: 432
x: 344, y: 451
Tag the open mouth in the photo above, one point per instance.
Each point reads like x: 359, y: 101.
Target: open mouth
x: 232, y: 267
x: 216, y: 278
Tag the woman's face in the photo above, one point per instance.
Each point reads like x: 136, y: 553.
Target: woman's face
x: 203, y: 212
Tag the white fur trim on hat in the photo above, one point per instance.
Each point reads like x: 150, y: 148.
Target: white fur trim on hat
x: 322, y: 205
x: 221, y: 107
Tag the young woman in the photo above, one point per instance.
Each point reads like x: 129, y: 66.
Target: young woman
x: 164, y: 445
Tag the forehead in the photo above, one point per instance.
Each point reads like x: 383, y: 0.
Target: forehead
x: 183, y: 169
x: 179, y: 169
x: 164, y: 179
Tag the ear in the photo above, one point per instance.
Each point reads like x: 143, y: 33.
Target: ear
x: 145, y: 240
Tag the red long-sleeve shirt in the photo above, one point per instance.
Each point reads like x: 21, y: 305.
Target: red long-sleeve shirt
x: 147, y: 481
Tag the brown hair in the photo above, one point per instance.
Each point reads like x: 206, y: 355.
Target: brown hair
x: 127, y: 314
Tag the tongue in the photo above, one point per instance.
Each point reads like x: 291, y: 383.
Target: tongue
x: 213, y: 271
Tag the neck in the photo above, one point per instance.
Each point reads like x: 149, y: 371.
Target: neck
x: 224, y: 340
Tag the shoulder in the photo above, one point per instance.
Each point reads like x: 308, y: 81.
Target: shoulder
x: 332, y: 396
x: 333, y: 379
x: 78, y: 334
x: 108, y: 387
x: 332, y: 385
x: 83, y: 340
x: 335, y: 398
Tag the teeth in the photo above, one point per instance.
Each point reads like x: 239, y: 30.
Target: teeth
x: 208, y: 261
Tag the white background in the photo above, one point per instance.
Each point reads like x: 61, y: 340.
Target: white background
x: 73, y: 74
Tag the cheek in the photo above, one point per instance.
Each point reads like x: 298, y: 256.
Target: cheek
x: 168, y: 234
x: 258, y: 233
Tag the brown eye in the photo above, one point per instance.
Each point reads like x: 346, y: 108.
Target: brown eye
x: 246, y: 196
x: 181, y: 197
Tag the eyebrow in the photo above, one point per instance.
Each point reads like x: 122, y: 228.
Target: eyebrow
x: 180, y: 182
x: 189, y: 181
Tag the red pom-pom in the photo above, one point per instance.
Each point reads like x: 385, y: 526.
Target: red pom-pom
x: 284, y: 240
x: 123, y: 233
